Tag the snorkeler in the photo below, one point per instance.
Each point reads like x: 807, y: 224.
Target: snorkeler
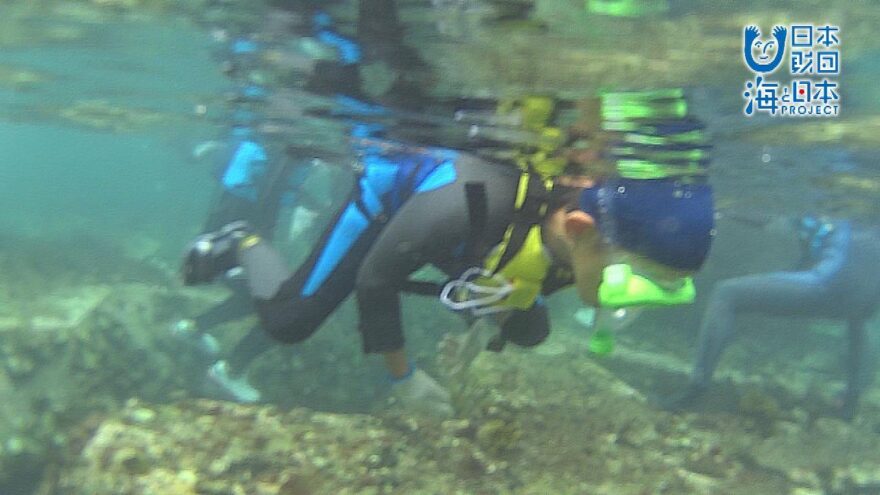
x: 626, y: 232
x: 250, y: 175
x: 257, y: 183
x: 838, y: 277
x: 258, y: 180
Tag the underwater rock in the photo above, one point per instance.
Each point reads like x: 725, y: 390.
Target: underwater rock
x: 77, y: 352
x: 527, y: 424
x: 103, y: 115
x: 759, y: 405
x: 19, y: 78
x: 843, y: 456
x: 498, y: 436
x: 857, y: 131
x: 213, y: 447
x: 140, y: 6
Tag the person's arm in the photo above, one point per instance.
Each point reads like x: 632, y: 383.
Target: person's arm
x: 834, y: 252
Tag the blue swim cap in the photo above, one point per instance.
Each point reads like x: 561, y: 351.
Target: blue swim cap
x: 668, y: 221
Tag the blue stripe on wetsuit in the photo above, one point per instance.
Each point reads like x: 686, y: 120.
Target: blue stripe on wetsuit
x: 254, y: 92
x: 247, y: 163
x: 383, y: 176
x: 439, y: 177
x: 348, y: 229
x: 349, y: 51
x: 322, y: 20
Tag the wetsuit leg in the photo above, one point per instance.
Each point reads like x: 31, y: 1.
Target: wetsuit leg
x: 855, y: 367
x: 251, y: 346
x: 292, y: 307
x: 780, y: 293
x: 263, y: 216
x: 237, y: 305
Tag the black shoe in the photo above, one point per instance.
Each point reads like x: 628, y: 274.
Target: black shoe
x: 213, y: 253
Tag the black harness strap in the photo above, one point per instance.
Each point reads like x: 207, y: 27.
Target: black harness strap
x: 478, y: 219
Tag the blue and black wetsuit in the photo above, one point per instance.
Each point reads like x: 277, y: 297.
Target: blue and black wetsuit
x: 841, y: 281
x: 255, y: 186
x: 407, y: 210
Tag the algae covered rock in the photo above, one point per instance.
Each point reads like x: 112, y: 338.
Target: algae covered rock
x: 75, y: 353
x: 213, y: 447
x: 102, y: 115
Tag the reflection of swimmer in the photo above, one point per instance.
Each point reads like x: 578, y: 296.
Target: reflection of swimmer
x: 753, y: 44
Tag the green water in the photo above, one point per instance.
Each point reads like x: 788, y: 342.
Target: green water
x: 62, y: 174
x: 99, y: 194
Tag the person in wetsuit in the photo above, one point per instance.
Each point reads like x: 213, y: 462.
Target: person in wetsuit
x: 628, y: 238
x: 838, y: 278
x: 257, y: 179
x: 253, y: 177
x: 258, y: 182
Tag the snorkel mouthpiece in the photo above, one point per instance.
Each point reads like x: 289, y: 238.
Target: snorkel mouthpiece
x: 621, y: 288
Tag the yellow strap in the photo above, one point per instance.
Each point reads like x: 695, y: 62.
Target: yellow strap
x: 248, y: 242
x: 521, y: 190
x: 528, y: 267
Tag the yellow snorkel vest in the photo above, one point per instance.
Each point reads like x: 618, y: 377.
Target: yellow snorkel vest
x: 521, y: 258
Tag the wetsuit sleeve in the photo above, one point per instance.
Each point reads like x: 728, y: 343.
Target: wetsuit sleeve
x: 428, y: 225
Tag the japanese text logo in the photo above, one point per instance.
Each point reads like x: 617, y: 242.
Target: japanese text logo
x: 811, y: 88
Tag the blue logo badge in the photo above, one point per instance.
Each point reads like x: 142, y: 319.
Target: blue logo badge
x: 756, y: 48
x: 812, y: 89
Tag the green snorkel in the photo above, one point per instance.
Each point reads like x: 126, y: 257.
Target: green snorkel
x: 655, y: 214
x: 621, y: 288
